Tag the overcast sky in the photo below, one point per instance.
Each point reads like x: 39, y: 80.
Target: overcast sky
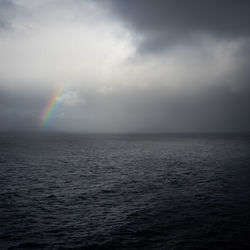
x: 126, y: 65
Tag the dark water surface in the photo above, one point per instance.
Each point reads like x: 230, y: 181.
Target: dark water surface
x: 65, y: 191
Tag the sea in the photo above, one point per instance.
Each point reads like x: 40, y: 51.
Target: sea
x: 130, y: 191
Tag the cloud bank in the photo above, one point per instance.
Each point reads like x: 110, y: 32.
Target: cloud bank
x: 127, y: 66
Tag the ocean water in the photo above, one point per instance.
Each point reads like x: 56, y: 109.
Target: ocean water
x: 70, y: 191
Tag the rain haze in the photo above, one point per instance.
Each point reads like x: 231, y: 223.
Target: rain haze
x: 125, y: 66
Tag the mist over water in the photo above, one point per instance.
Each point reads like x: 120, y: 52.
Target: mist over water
x: 72, y: 191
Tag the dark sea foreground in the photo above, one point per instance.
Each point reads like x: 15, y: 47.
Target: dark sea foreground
x: 69, y: 191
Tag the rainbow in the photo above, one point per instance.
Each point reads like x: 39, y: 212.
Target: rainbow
x: 50, y: 107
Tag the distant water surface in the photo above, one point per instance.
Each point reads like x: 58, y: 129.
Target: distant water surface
x: 69, y: 191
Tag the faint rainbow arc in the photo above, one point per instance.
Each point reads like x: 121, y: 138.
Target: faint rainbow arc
x: 50, y: 107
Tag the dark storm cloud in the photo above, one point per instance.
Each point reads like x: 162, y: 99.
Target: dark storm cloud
x: 164, y: 22
x: 221, y: 104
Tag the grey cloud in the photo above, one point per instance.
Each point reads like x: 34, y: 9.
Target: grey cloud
x: 3, y: 25
x: 7, y: 11
x: 167, y: 22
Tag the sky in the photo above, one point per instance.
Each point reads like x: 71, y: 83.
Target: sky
x: 125, y: 66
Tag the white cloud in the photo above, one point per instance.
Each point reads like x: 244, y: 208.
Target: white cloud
x: 71, y: 99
